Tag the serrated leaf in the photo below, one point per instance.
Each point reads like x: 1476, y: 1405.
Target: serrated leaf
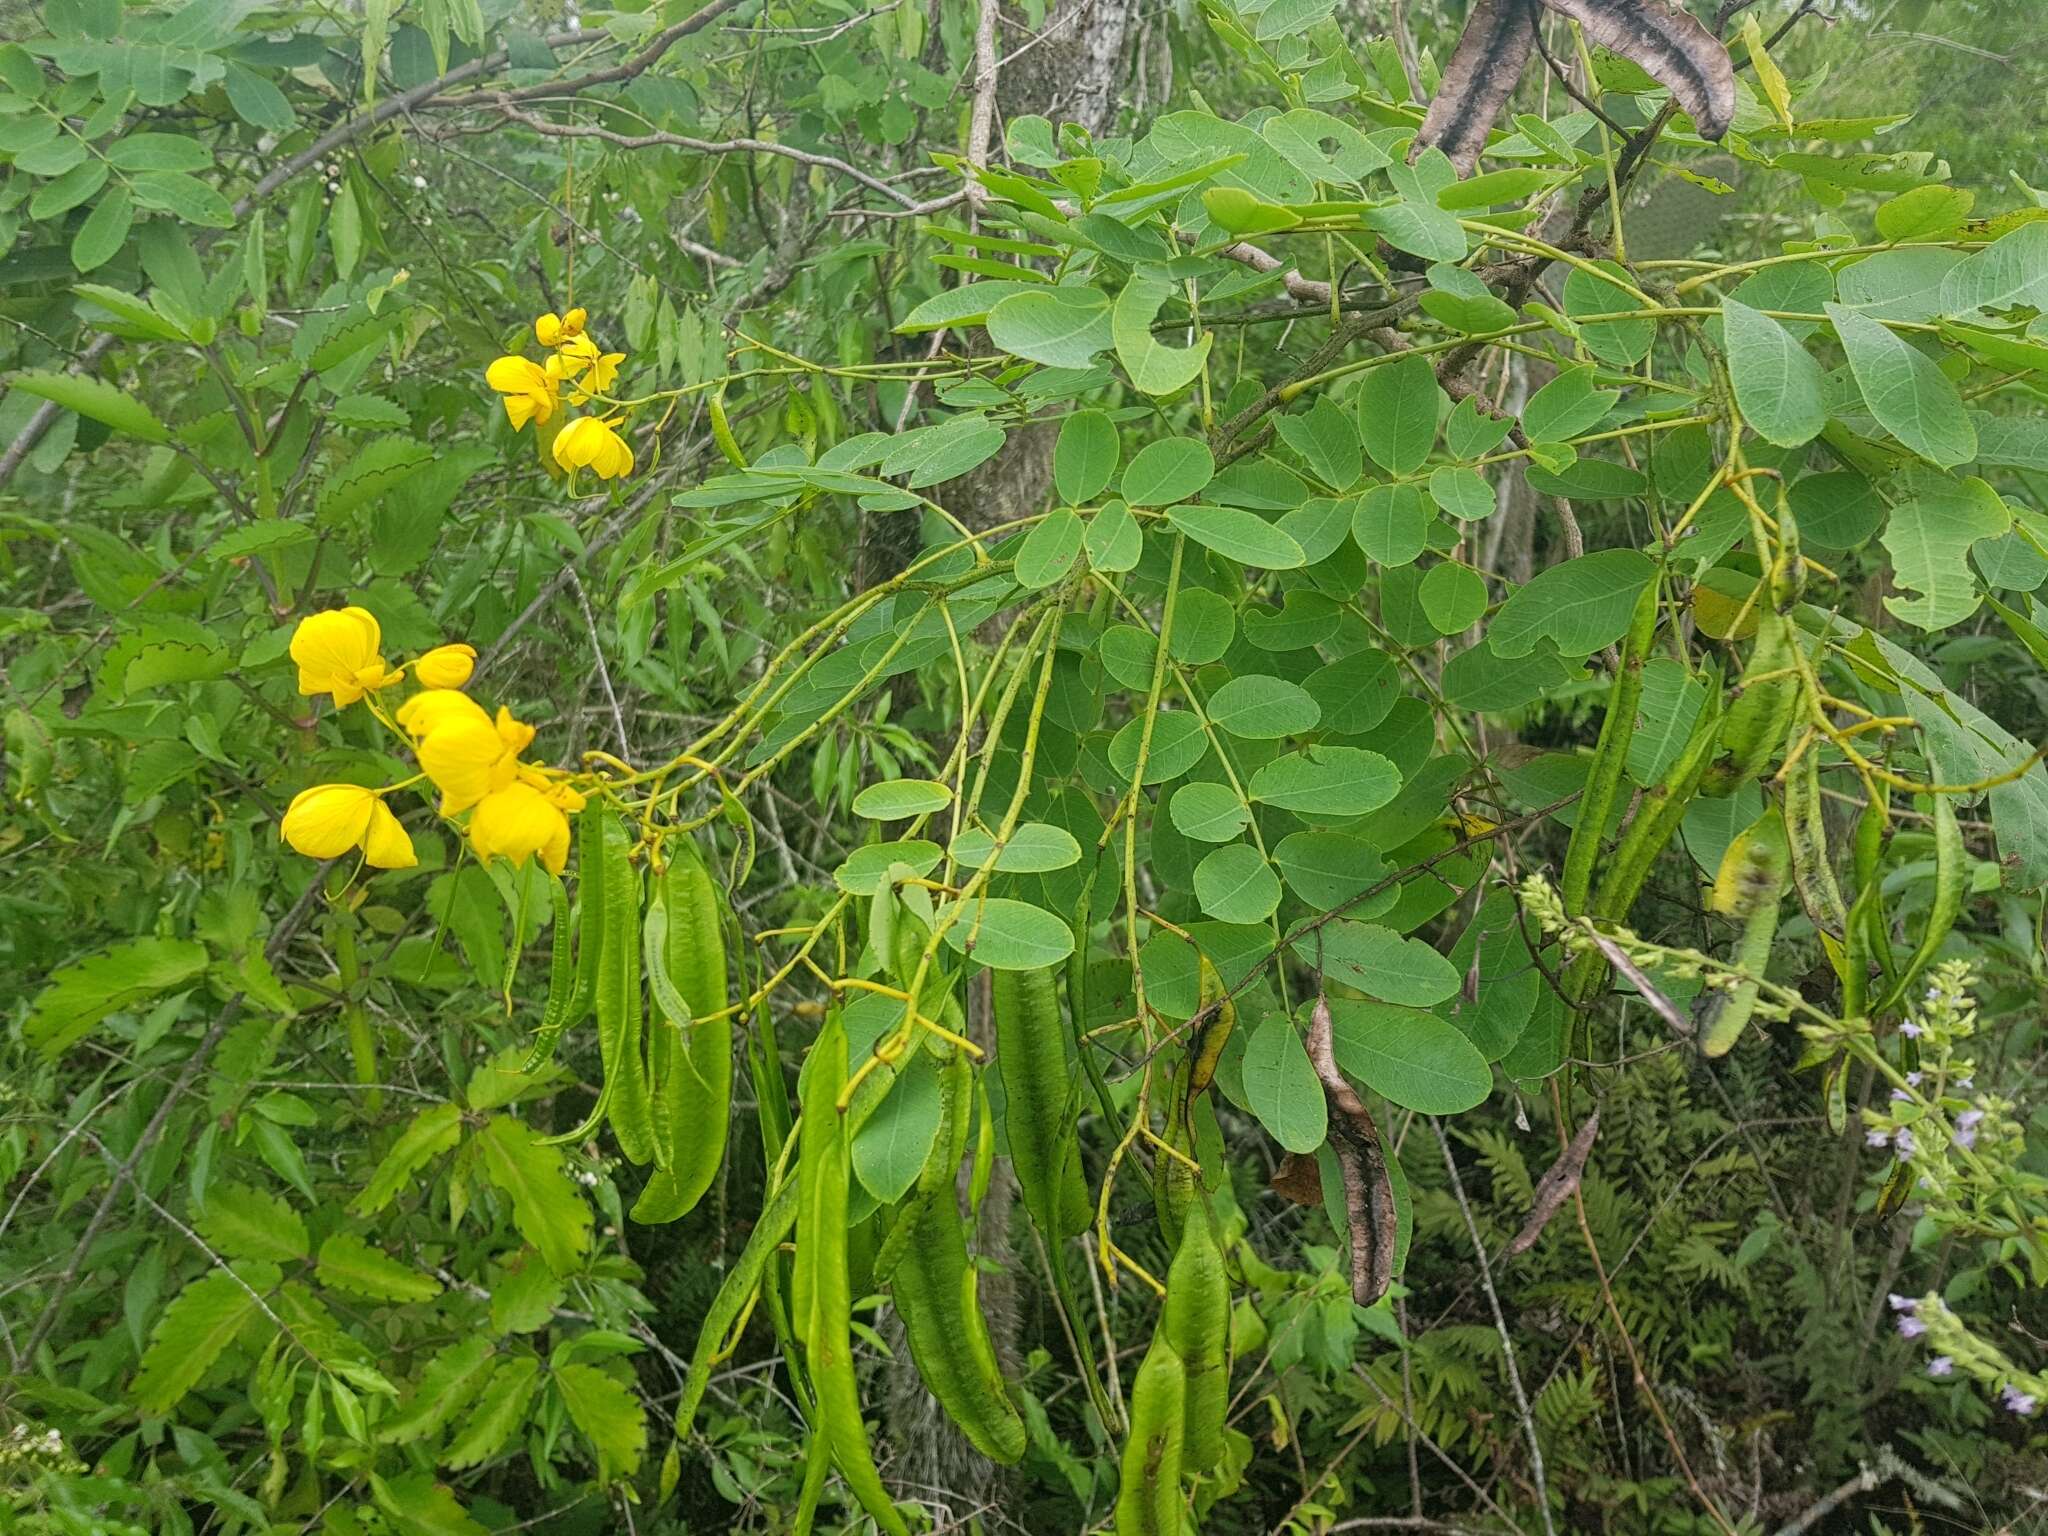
x: 499, y: 1411
x: 196, y: 1328
x: 546, y: 1208
x: 454, y: 1376
x: 355, y: 1268
x: 93, y: 398
x: 381, y: 467
x: 82, y: 994
x: 609, y: 1415
x: 419, y: 1506
x: 247, y: 1223
x: 432, y: 1132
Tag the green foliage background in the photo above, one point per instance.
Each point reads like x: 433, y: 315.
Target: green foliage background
x: 289, y: 1241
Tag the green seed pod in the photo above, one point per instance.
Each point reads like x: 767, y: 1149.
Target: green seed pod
x: 935, y: 1288
x: 693, y: 1057
x: 1765, y: 705
x: 617, y: 999
x: 1038, y: 1096
x: 1196, y: 1322
x: 1749, y: 886
x: 1148, y: 1498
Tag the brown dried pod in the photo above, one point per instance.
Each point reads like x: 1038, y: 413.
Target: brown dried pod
x: 1368, y: 1191
x: 1495, y: 45
x: 1670, y: 44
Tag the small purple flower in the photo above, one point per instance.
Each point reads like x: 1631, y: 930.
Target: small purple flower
x: 1902, y: 1303
x: 1910, y: 1327
x: 1965, y: 1083
x: 1903, y: 1143
x: 1913, y: 1079
x: 1910, y: 1030
x: 2021, y: 1403
x: 1942, y: 1365
x: 1900, y: 1096
x: 1876, y: 1137
x: 1966, y: 1127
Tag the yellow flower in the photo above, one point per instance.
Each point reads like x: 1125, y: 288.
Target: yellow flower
x: 531, y: 390
x: 468, y: 757
x: 589, y: 442
x: 337, y: 653
x: 552, y: 330
x: 419, y: 714
x: 594, y: 370
x: 518, y: 821
x: 324, y: 822
x: 445, y: 666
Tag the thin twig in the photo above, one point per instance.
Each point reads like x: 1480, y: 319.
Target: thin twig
x: 1500, y: 1322
x: 223, y: 1021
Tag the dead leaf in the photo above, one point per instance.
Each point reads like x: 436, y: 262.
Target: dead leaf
x: 1299, y: 1180
x: 1556, y: 1186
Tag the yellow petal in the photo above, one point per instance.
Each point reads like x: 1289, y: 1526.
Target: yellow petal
x: 385, y: 845
x: 516, y: 822
x: 516, y: 376
x: 516, y: 735
x: 324, y: 822
x: 337, y: 652
x: 423, y: 712
x: 572, y: 322
x: 554, y: 853
x: 547, y: 329
x: 461, y: 756
x: 446, y: 666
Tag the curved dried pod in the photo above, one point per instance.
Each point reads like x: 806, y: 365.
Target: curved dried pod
x: 1368, y: 1189
x: 1672, y: 45
x: 1498, y: 39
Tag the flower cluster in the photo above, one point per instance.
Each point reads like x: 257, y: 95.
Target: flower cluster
x: 1955, y: 1348
x: 1962, y: 1145
x: 515, y: 809
x: 578, y: 367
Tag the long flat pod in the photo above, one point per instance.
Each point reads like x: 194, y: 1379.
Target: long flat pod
x: 575, y: 1003
x: 1148, y: 1497
x: 617, y: 998
x: 1196, y: 1321
x: 1672, y: 46
x: 824, y: 1305
x: 742, y: 1284
x: 934, y: 1286
x: 1499, y: 37
x: 1031, y: 1059
x: 693, y: 1084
